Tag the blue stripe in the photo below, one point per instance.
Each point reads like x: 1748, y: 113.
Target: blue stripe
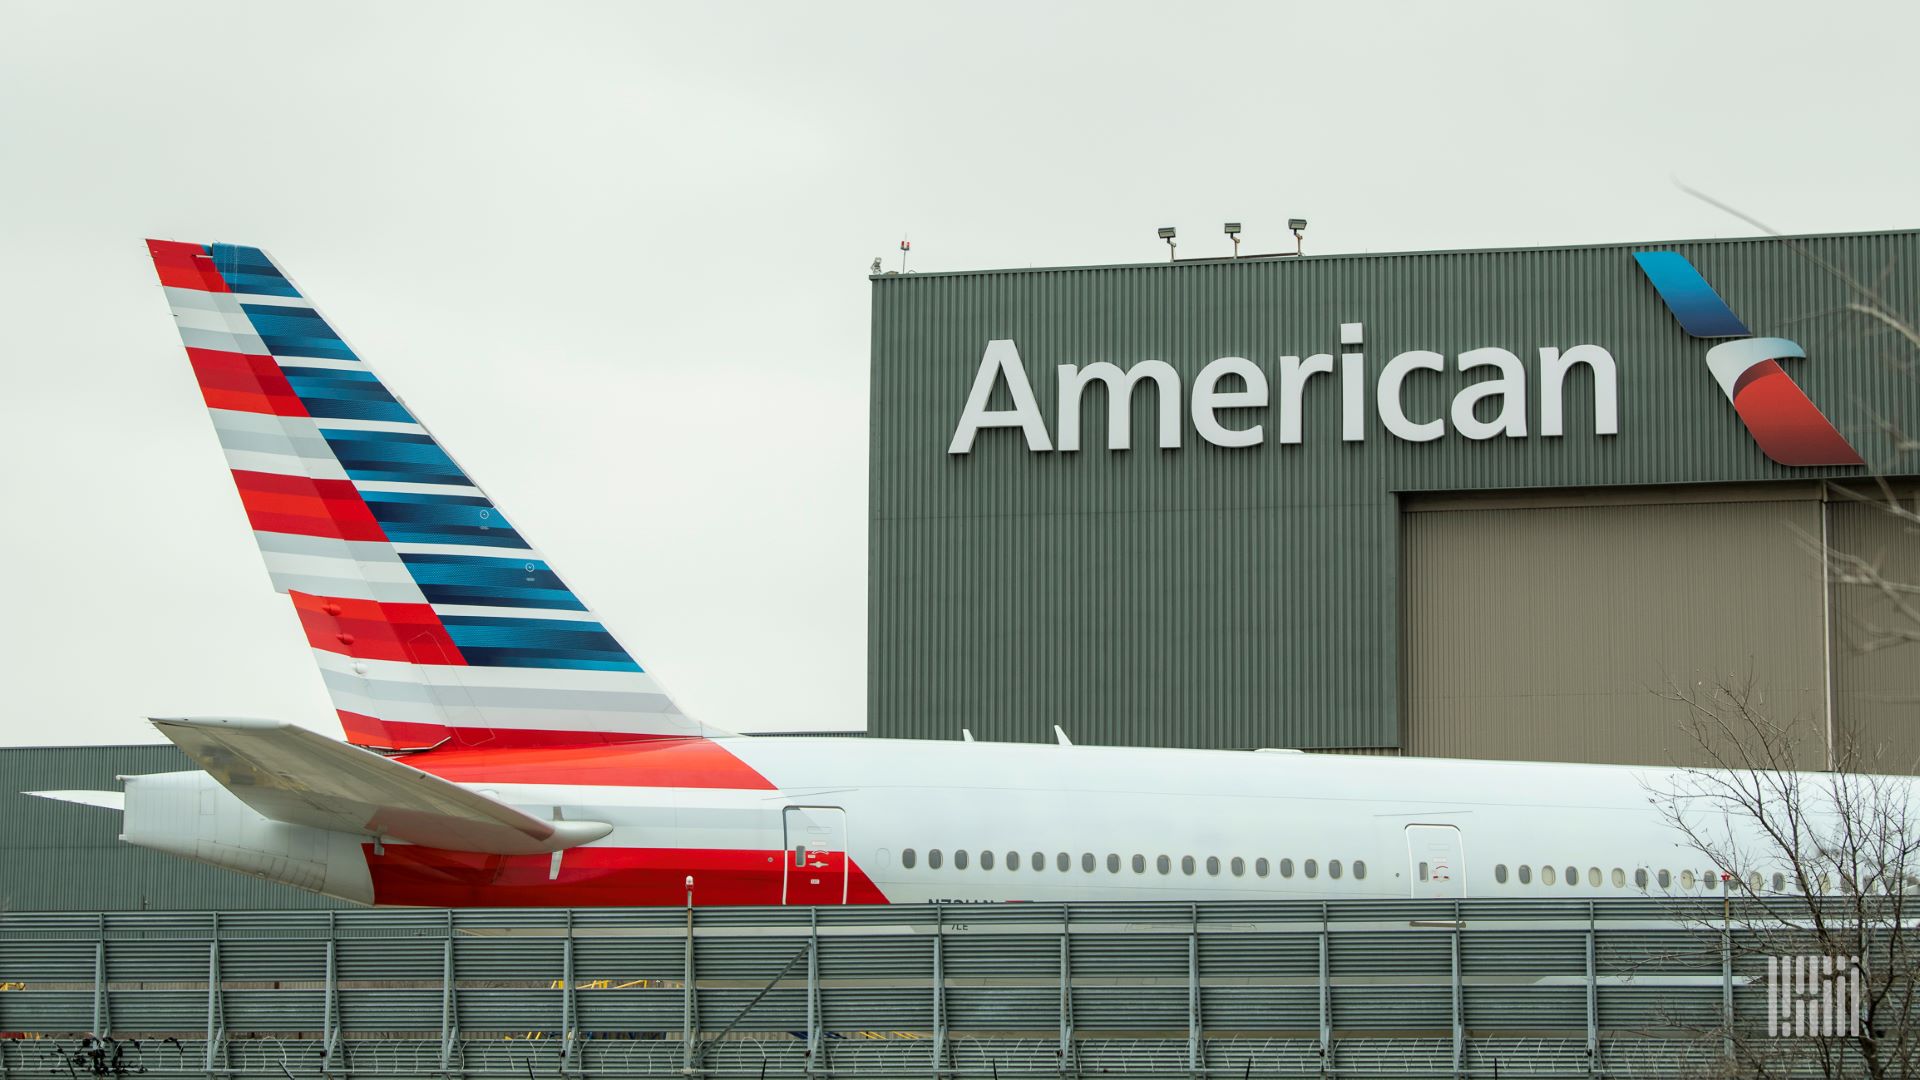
x: 413, y: 518
x: 495, y: 641
x: 485, y: 581
x: 296, y: 332
x: 248, y: 270
x: 1700, y: 310
x: 393, y: 455
x: 329, y: 393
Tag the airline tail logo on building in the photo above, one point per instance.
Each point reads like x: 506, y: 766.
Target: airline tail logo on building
x: 1786, y: 424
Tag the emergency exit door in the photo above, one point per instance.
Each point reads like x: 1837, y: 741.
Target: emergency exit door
x: 816, y: 855
x: 1437, y: 861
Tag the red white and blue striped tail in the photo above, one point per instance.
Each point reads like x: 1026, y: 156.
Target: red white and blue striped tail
x: 431, y: 617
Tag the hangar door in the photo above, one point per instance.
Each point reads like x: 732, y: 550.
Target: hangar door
x: 1558, y: 628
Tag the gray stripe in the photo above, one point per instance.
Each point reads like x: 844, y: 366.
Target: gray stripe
x: 346, y: 588
x: 365, y: 551
x: 610, y: 702
x: 222, y: 342
x: 283, y: 442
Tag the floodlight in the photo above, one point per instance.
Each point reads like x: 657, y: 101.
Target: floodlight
x: 1166, y: 233
x: 1296, y: 224
x: 1232, y: 228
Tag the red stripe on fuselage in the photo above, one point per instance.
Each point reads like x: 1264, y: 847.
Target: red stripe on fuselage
x: 371, y: 630
x: 652, y: 762
x: 185, y: 266
x: 243, y: 382
x: 591, y: 877
x: 295, y: 504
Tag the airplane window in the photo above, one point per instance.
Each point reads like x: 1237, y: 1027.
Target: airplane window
x: 1039, y: 860
x: 906, y: 858
x: 1260, y: 867
x: 1666, y: 879
x: 933, y: 859
x: 1310, y: 868
x: 960, y: 859
x: 1546, y: 875
x: 1359, y: 870
x: 1525, y: 873
x: 1139, y: 864
x: 986, y: 860
x: 1500, y: 873
x: 1064, y: 862
x: 1163, y: 864
x: 1113, y: 864
x: 1573, y: 875
x: 1088, y: 862
x: 1238, y: 866
x: 1686, y: 879
x: 1286, y: 867
x: 1186, y: 864
x: 1779, y: 883
x: 1423, y: 872
x: 1619, y: 878
x: 1213, y: 865
x: 1753, y: 881
x: 1593, y: 876
x: 1640, y: 876
x: 1013, y: 860
x: 1333, y: 868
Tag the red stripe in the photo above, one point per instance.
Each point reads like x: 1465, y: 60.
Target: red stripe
x: 371, y: 630
x: 656, y: 762
x: 186, y: 266
x: 605, y: 877
x: 1786, y: 423
x: 244, y: 383
x: 363, y: 730
x: 296, y: 504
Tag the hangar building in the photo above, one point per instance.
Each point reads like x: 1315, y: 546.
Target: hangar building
x: 1458, y: 503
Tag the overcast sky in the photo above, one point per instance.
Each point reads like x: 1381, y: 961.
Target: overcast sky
x: 616, y: 256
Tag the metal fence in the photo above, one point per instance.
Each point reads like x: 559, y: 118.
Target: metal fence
x: 1471, y: 988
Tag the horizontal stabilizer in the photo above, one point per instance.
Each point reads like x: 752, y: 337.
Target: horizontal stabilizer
x: 111, y: 800
x: 301, y: 777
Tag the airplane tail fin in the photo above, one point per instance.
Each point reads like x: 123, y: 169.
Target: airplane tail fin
x: 431, y: 616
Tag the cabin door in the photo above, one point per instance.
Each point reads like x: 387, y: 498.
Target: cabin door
x: 816, y: 855
x: 1437, y: 861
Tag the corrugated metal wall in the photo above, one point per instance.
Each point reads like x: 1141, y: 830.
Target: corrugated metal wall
x: 1876, y: 655
x: 1569, y: 632
x: 63, y: 857
x: 1212, y: 597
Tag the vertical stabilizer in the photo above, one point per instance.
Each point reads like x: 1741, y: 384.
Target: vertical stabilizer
x: 431, y: 616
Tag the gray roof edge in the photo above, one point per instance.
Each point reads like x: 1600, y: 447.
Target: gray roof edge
x: 1227, y: 260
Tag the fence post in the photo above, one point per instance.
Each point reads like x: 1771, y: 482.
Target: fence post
x: 815, y: 1037
x: 449, y: 1001
x: 1326, y: 992
x: 569, y: 1008
x: 1459, y: 1006
x: 100, y: 1020
x: 1066, y: 988
x: 1593, y: 992
x: 1195, y: 1052
x: 216, y: 1025
x: 689, y: 1019
x: 939, y: 990
x: 330, y: 1025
